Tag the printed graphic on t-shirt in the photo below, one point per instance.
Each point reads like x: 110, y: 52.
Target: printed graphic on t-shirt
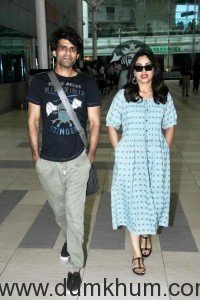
x: 60, y: 139
x: 56, y: 112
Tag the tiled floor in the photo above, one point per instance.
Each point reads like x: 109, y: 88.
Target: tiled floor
x: 30, y: 241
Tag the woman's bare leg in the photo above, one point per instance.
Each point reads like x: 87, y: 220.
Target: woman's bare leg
x: 146, y: 245
x: 135, y: 241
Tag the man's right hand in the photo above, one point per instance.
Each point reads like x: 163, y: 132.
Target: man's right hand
x: 35, y: 158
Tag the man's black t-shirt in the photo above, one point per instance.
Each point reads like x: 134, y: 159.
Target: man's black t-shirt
x: 60, y: 139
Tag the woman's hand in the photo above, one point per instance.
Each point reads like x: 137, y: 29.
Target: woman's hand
x: 113, y: 136
x: 169, y: 135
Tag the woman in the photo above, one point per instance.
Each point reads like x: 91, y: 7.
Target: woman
x: 140, y: 192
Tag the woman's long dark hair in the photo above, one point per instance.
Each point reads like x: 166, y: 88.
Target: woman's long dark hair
x: 160, y: 90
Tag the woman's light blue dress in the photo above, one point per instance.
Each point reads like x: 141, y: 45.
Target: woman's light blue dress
x: 140, y: 192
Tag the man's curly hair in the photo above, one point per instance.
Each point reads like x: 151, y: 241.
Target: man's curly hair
x: 67, y: 33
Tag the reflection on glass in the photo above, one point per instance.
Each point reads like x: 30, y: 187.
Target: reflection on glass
x: 12, y: 52
x: 171, y: 28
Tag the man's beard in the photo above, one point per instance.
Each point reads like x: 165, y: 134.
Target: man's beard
x: 66, y: 63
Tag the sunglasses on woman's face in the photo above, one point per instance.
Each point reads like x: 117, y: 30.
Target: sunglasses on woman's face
x: 139, y: 68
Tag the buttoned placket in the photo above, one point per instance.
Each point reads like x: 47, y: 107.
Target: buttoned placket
x: 146, y: 105
x: 146, y: 120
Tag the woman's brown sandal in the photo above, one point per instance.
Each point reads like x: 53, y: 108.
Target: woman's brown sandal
x: 140, y: 269
x: 145, y: 249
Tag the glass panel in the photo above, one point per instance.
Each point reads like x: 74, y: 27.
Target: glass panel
x: 186, y: 17
x: 13, y: 49
x: 170, y: 28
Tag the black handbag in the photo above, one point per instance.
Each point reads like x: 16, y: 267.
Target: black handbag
x: 92, y: 184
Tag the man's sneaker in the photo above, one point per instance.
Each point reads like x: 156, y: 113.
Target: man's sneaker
x: 73, y: 283
x: 64, y: 254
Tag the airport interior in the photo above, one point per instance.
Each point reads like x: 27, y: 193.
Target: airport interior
x: 30, y: 239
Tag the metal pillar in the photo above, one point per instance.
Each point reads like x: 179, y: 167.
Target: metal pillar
x: 94, y: 4
x: 85, y: 20
x: 41, y: 33
x: 94, y: 33
x: 79, y: 11
x: 33, y: 54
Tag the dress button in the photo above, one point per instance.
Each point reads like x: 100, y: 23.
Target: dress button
x: 64, y: 172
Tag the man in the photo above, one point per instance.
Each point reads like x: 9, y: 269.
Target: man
x: 186, y: 74
x: 63, y: 164
x: 196, y: 75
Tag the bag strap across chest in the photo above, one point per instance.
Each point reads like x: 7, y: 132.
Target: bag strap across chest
x: 68, y: 107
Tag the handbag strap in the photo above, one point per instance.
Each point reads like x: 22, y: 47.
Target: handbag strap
x: 68, y: 107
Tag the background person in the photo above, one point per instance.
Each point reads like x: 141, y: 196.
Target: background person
x: 196, y: 75
x: 123, y: 77
x: 63, y: 165
x: 140, y: 191
x: 185, y: 74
